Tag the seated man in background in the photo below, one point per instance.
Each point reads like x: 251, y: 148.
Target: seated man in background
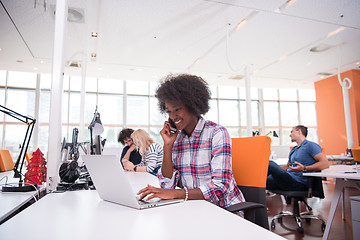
x: 129, y: 152
x: 305, y: 156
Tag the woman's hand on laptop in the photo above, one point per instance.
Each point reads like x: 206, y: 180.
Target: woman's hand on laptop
x: 154, y: 192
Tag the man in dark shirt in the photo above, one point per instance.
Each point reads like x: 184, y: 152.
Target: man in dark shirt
x: 129, y: 152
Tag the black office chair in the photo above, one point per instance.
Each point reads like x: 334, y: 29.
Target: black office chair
x: 255, y: 206
x: 315, y: 189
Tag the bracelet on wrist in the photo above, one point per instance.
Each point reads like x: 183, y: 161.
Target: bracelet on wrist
x: 304, y: 169
x: 135, y: 168
x: 186, y: 193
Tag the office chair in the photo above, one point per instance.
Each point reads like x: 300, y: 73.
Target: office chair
x: 315, y: 189
x: 250, y: 162
x: 6, y: 162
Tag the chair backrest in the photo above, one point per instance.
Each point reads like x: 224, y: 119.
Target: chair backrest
x: 250, y: 160
x: 28, y: 156
x: 6, y: 162
x: 315, y: 187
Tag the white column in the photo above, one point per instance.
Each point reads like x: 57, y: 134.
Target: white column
x: 82, y: 97
x: 345, y: 90
x: 248, y: 102
x: 54, y: 146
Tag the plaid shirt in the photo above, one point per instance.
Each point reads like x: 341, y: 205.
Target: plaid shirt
x: 203, y: 161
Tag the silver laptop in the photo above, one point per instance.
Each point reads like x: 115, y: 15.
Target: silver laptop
x: 113, y: 185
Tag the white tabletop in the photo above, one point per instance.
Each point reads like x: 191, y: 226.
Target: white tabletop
x: 83, y: 215
x: 281, y: 161
x: 11, y: 201
x: 338, y: 171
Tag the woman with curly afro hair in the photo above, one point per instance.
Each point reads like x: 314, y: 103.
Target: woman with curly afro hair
x: 197, y: 155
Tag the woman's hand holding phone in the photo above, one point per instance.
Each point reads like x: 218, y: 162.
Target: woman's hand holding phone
x: 168, y: 135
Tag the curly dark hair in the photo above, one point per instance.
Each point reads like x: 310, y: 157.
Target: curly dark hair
x: 125, y: 133
x: 191, y: 90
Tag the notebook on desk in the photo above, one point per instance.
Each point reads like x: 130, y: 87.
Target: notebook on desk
x: 112, y: 184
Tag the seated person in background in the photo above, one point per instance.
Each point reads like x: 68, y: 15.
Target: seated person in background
x: 305, y: 156
x: 150, y: 151
x: 197, y: 156
x: 129, y: 152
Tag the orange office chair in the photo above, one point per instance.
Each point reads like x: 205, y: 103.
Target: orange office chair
x: 250, y: 162
x: 6, y: 162
x: 28, y: 157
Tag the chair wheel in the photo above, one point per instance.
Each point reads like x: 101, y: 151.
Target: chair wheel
x: 300, y: 230
x: 323, y: 226
x: 272, y: 224
x: 308, y: 220
x: 280, y: 220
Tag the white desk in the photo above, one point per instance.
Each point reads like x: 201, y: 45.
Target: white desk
x: 12, y: 201
x: 281, y: 161
x: 342, y: 181
x: 83, y: 215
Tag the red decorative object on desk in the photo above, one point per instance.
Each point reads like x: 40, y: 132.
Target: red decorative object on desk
x: 36, y: 169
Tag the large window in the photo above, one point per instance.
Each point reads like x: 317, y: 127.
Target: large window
x: 286, y: 108
x: 123, y: 103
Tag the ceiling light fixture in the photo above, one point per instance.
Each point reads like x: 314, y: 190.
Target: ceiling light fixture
x: 282, y: 58
x: 75, y: 15
x: 194, y: 63
x: 246, y: 19
x: 93, y: 55
x: 357, y: 63
x: 0, y: 49
x: 322, y: 47
x: 286, y: 5
x: 336, y: 31
x: 324, y: 74
x: 94, y: 34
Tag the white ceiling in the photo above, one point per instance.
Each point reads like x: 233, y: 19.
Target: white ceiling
x: 147, y: 39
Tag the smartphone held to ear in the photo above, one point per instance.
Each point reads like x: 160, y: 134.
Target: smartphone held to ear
x: 172, y: 126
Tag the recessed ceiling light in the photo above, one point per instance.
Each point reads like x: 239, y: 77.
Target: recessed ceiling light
x: 93, y: 55
x: 324, y: 74
x: 286, y: 5
x: 322, y: 47
x: 75, y: 15
x: 357, y: 63
x: 0, y: 49
x: 336, y: 31
x: 236, y: 77
x: 35, y: 68
x: 42, y: 61
x: 94, y: 34
x: 282, y: 58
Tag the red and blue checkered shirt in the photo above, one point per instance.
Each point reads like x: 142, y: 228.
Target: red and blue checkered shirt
x: 203, y: 161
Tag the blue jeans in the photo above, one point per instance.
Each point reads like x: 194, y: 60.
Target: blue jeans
x: 280, y: 179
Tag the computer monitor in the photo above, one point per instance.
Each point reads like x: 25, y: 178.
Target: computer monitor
x: 98, y: 146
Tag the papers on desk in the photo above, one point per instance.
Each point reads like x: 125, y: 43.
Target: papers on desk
x: 354, y: 169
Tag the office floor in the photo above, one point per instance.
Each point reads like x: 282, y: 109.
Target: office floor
x: 339, y: 230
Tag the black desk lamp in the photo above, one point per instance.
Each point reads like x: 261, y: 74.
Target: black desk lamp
x: 30, y: 122
x: 96, y: 128
x: 274, y: 134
